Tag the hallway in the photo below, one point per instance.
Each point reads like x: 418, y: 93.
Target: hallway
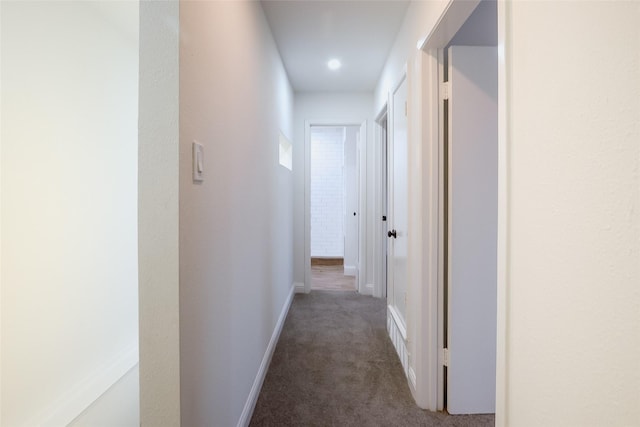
x: 155, y: 216
x: 334, y: 365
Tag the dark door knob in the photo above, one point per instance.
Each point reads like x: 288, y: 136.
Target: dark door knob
x: 393, y: 234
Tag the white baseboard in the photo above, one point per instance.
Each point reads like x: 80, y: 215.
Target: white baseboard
x: 250, y: 405
x: 368, y: 289
x: 398, y: 335
x: 350, y: 270
x: 299, y: 288
x: 412, y: 378
x: 75, y: 401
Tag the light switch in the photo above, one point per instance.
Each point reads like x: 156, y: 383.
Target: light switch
x: 198, y: 162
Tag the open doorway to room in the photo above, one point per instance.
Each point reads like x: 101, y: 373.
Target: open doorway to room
x: 460, y: 64
x: 333, y: 202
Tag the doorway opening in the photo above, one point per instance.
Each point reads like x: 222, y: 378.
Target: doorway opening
x: 454, y: 331
x: 334, y: 205
x: 468, y: 69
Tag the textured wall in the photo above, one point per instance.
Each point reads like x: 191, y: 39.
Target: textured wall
x: 572, y: 214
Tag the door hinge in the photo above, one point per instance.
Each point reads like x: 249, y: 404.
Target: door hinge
x: 445, y: 357
x: 445, y: 90
x: 406, y: 109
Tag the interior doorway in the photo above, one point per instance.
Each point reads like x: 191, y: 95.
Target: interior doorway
x: 334, y: 206
x: 437, y: 350
x: 468, y: 72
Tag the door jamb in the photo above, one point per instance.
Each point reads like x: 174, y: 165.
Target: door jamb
x: 427, y: 283
x: 381, y: 136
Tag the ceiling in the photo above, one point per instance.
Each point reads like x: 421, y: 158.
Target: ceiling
x: 359, y: 33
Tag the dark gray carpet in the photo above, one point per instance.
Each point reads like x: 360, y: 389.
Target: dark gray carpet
x: 334, y: 365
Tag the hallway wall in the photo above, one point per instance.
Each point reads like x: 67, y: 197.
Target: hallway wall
x: 69, y: 206
x: 571, y: 271
x: 328, y: 108
x: 420, y: 18
x: 236, y: 233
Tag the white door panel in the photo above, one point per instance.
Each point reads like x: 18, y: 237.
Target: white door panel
x: 398, y: 196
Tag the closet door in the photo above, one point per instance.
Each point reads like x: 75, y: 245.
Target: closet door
x: 398, y: 202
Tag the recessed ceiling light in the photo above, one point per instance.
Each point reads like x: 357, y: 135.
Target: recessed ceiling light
x: 334, y: 64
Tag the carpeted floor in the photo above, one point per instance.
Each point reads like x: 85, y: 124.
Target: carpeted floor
x: 334, y: 365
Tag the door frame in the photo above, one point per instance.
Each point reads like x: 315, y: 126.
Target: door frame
x: 427, y: 284
x: 361, y: 173
x: 381, y: 135
x: 428, y: 390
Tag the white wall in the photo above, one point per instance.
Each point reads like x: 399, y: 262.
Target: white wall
x: 327, y: 108
x: 119, y: 406
x: 419, y: 20
x: 327, y: 192
x: 69, y: 205
x: 158, y: 214
x: 236, y: 235
x: 571, y: 340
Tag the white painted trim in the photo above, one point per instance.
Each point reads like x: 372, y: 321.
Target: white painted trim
x: 299, y: 288
x: 399, y: 322
x: 350, y: 270
x: 424, y: 248
x: 380, y: 226
x: 502, y: 314
x: 439, y: 108
x: 453, y: 17
x: 83, y: 394
x: 250, y: 404
x: 307, y: 206
x: 412, y: 377
x: 369, y: 289
x: 398, y: 334
x: 362, y: 202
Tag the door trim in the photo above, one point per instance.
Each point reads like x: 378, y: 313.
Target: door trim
x: 381, y: 135
x: 429, y: 393
x: 425, y: 130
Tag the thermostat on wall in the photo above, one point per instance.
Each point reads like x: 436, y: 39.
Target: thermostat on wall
x: 198, y: 162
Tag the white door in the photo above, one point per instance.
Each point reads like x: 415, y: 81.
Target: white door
x: 398, y: 201
x: 472, y: 230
